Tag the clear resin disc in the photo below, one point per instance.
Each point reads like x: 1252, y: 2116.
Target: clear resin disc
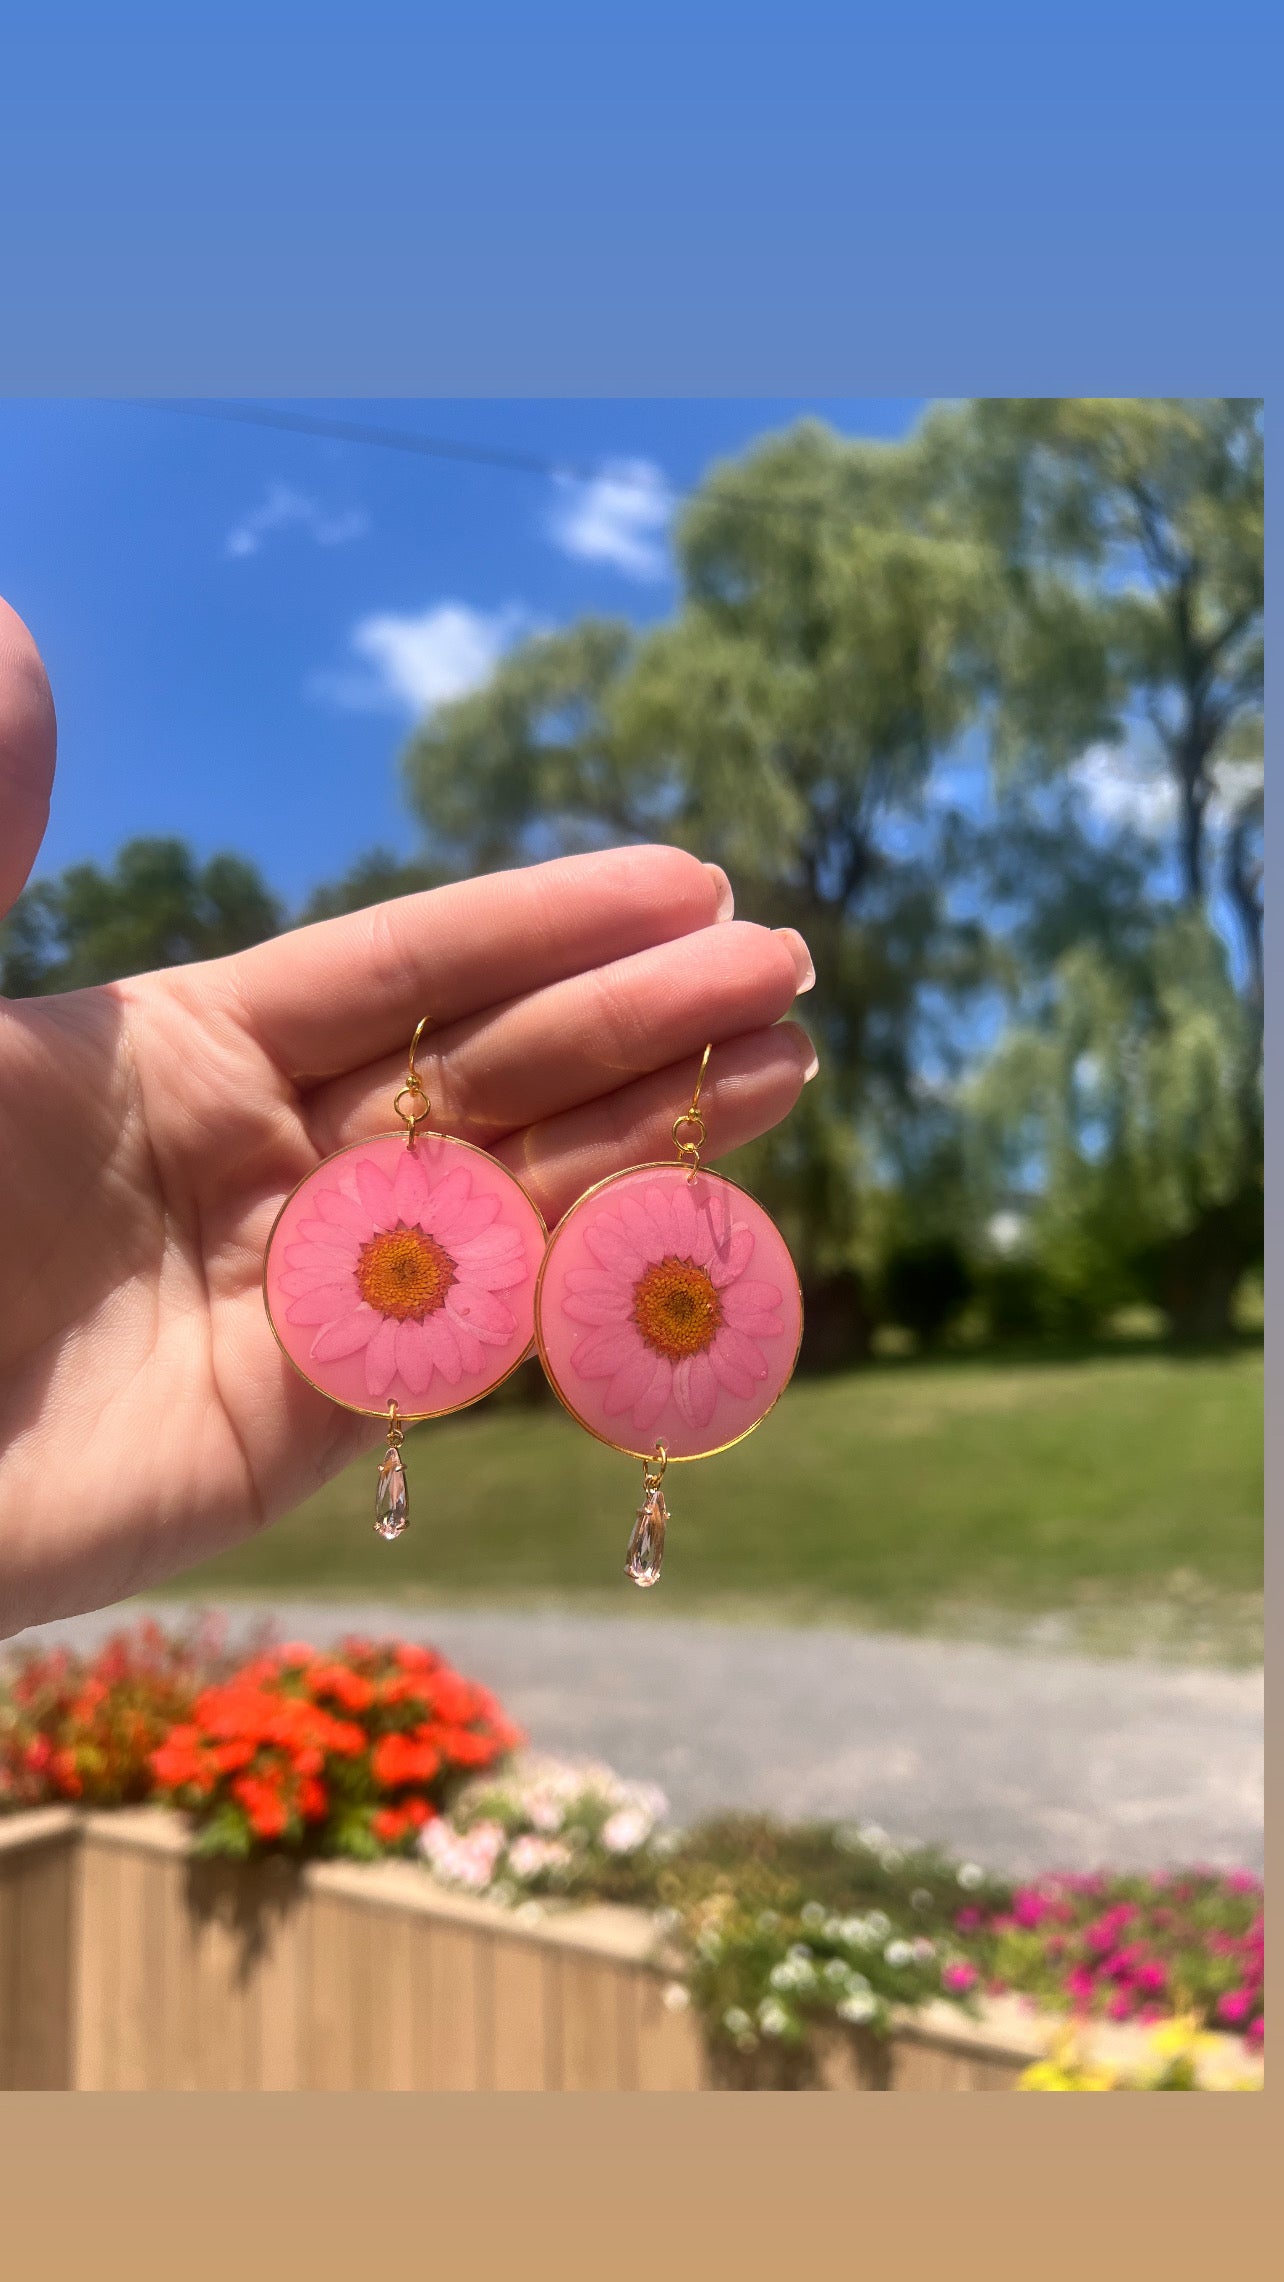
x: 405, y: 1275
x: 668, y: 1310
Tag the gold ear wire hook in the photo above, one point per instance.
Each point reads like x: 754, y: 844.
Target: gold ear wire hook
x: 689, y: 1149
x: 413, y: 1089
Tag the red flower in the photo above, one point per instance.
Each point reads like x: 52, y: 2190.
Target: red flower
x: 399, y: 1759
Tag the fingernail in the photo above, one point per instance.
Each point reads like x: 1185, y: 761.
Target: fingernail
x: 812, y: 1068
x: 804, y: 971
x: 726, y: 900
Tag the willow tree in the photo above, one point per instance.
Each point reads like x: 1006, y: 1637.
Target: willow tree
x: 1129, y: 534
x: 1131, y: 1117
x: 783, y: 722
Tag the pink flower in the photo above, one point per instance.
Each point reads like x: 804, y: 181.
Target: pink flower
x: 1235, y: 2005
x: 410, y: 1269
x: 672, y: 1313
x: 959, y: 1978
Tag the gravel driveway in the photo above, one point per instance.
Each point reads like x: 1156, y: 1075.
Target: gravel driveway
x: 1024, y: 1761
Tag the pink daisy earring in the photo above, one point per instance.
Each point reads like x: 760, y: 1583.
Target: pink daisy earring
x: 668, y: 1317
x: 399, y: 1279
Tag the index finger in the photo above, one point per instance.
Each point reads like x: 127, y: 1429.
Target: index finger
x: 329, y: 998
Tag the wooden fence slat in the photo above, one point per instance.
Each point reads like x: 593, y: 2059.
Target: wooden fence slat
x: 454, y: 1961
x: 519, y: 2016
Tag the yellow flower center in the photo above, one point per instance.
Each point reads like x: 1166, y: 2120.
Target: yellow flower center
x: 404, y: 1273
x: 676, y: 1308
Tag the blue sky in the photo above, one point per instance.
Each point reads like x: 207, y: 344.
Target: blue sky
x: 240, y: 625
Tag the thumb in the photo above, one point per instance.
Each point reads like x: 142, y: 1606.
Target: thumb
x: 28, y: 744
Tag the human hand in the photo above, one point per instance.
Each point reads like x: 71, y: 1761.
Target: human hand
x: 150, y: 1129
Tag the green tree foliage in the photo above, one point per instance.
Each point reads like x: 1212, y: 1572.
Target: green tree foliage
x: 374, y: 878
x: 1131, y: 532
x: 156, y: 907
x: 1130, y: 537
x: 1131, y: 1118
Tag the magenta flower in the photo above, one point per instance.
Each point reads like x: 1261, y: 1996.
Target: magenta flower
x: 1235, y: 2006
x: 959, y: 1978
x: 670, y: 1309
x: 410, y: 1269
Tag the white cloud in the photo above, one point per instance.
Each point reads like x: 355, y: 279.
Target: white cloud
x: 284, y: 509
x: 1122, y: 789
x: 413, y: 664
x: 618, y: 517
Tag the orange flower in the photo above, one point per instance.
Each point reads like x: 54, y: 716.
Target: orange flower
x: 398, y: 1759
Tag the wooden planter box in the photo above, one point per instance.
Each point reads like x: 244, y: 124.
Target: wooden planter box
x: 126, y: 1964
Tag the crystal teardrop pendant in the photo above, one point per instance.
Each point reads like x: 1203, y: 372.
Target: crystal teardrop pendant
x: 391, y: 1502
x: 646, y: 1545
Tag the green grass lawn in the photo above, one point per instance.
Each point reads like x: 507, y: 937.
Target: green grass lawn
x: 1122, y: 1493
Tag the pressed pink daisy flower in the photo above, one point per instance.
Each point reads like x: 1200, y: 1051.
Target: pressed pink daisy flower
x: 673, y: 1311
x: 410, y: 1269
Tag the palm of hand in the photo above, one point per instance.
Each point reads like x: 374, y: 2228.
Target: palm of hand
x: 150, y: 1130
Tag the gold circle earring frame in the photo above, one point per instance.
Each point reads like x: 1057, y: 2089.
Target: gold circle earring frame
x: 411, y: 1089
x: 688, y: 1153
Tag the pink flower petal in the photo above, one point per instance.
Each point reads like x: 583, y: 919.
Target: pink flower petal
x: 324, y: 1304
x: 648, y: 1234
x: 742, y: 1353
x: 446, y: 1198
x: 470, y: 1219
x: 347, y: 1336
x: 320, y: 1242
x: 632, y: 1382
x: 597, y: 1307
x: 481, y: 1313
x: 331, y: 1275
x: 443, y: 1341
x: 657, y: 1205
x: 472, y: 1354
x: 495, y: 1275
x: 696, y: 1389
x: 736, y: 1382
x: 611, y: 1248
x: 647, y: 1408
x: 751, y: 1306
x: 381, y: 1359
x: 410, y: 1193
x: 728, y: 1263
x: 687, y: 1244
x: 714, y: 1203
x: 375, y: 1191
x: 605, y: 1352
x: 414, y: 1355
x: 341, y: 1211
x: 502, y: 1243
x: 598, y: 1281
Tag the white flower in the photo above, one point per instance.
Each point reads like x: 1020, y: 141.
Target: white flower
x: 626, y: 1830
x: 773, y: 2020
x: 860, y: 2006
x: 898, y: 1952
x: 879, y: 1925
x: 971, y: 1874
x: 462, y: 1858
x: 813, y: 1913
x: 737, y: 2022
x: 793, y: 1972
x: 923, y: 1949
x: 530, y: 1857
x: 677, y: 1999
x: 838, y: 1970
